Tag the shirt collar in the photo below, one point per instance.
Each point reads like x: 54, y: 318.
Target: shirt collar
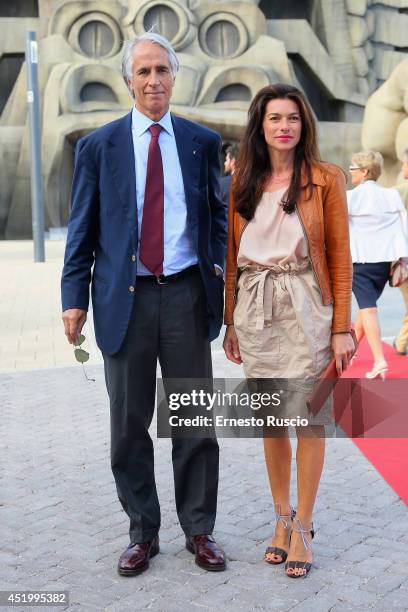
x: 141, y: 123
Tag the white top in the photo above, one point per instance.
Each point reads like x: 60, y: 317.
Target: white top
x: 378, y: 224
x: 272, y: 236
x: 179, y: 252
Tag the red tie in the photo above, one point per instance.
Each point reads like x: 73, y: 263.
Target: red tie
x: 151, y: 237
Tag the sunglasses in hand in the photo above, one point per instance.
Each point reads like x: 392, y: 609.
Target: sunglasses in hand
x: 81, y: 355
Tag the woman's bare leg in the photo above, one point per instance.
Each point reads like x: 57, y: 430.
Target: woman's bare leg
x: 309, y: 462
x: 278, y: 458
x: 359, y: 326
x: 372, y: 331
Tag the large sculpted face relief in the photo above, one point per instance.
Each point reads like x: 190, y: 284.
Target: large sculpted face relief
x: 385, y: 126
x: 337, y: 51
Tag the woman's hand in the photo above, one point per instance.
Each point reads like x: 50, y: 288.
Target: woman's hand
x: 231, y: 346
x: 343, y: 349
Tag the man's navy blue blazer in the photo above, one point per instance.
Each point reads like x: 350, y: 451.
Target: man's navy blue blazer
x: 103, y: 227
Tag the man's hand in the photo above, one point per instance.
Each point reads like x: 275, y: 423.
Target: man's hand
x: 343, y: 349
x: 74, y: 320
x: 231, y: 346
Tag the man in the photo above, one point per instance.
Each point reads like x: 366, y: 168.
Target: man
x: 229, y: 169
x: 401, y: 341
x: 146, y: 211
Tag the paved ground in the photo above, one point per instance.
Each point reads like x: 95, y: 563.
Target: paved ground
x: 30, y: 310
x: 61, y: 524
x: 62, y: 527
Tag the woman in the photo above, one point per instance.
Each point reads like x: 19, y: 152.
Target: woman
x: 291, y: 306
x: 378, y: 236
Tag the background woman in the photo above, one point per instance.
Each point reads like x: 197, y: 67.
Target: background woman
x: 378, y: 236
x: 291, y: 306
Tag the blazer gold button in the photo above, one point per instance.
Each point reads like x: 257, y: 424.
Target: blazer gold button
x: 133, y: 257
x: 131, y: 288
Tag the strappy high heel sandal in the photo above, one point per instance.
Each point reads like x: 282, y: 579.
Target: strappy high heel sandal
x: 380, y: 369
x: 286, y: 519
x: 305, y: 565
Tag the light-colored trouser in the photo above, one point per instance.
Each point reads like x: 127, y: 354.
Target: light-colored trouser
x: 401, y: 341
x: 283, y: 330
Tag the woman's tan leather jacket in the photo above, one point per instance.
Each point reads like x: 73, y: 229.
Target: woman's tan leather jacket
x: 324, y: 218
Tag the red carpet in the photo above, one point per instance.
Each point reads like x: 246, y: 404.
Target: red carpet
x: 388, y: 455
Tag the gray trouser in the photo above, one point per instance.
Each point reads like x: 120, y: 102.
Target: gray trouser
x: 167, y: 323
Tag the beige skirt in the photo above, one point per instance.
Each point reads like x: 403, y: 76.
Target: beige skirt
x: 284, y: 335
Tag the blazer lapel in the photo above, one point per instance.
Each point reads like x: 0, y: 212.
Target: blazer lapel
x: 189, y: 151
x: 121, y: 159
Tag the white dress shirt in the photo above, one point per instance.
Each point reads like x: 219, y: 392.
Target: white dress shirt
x: 179, y: 252
x: 378, y: 224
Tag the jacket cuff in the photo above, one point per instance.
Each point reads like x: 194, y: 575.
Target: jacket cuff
x: 228, y: 317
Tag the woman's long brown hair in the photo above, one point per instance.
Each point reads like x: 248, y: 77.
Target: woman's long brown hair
x: 253, y: 165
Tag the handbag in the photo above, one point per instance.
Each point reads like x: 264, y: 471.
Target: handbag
x: 398, y: 273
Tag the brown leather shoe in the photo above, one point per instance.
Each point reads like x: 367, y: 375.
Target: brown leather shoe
x: 135, y: 559
x: 208, y: 554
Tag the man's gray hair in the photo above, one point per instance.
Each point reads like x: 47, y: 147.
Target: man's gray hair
x: 129, y: 46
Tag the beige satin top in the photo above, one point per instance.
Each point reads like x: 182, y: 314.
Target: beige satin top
x: 272, y: 236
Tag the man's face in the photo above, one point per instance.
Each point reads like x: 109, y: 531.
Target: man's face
x: 228, y: 164
x: 152, y: 80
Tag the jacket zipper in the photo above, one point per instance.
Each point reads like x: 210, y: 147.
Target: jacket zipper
x: 236, y: 271
x: 308, y: 249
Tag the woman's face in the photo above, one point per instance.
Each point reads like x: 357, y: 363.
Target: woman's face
x: 358, y: 175
x: 282, y: 124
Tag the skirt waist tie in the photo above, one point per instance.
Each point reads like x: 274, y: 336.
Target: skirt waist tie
x: 255, y: 279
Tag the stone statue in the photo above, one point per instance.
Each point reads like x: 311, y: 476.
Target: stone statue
x: 337, y: 51
x: 385, y: 125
